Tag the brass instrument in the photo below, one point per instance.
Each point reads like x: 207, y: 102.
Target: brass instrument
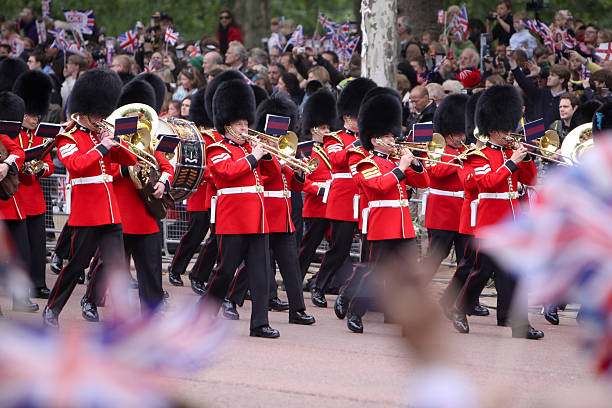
x: 547, y: 144
x: 283, y: 148
x: 434, y: 148
x: 578, y: 141
x: 397, y: 152
x: 33, y: 167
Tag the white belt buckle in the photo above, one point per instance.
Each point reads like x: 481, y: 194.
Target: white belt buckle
x: 259, y: 189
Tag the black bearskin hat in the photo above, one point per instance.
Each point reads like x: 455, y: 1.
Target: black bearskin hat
x: 450, y: 115
x: 352, y: 94
x: 12, y: 107
x: 10, y: 69
x: 214, y: 84
x: 233, y: 100
x: 319, y: 109
x: 280, y: 105
x: 158, y: 86
x: 197, y: 111
x: 602, y: 119
x: 137, y: 91
x: 313, y: 86
x: 260, y: 94
x: 498, y: 109
x: 379, y: 115
x: 584, y: 113
x: 125, y: 77
x: 35, y: 88
x: 470, y: 110
x: 95, y: 92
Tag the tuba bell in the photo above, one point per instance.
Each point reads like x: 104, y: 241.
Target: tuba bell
x: 578, y: 141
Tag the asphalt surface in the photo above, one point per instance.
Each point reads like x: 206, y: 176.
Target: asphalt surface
x: 326, y: 365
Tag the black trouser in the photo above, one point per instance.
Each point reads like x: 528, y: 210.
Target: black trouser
x: 30, y: 241
x: 18, y: 229
x: 207, y: 258
x: 108, y: 238
x: 297, y: 207
x: 455, y: 294
x: 199, y: 223
x: 505, y: 284
x: 283, y: 246
x: 63, y: 247
x: 316, y: 228
x: 349, y: 289
x: 146, y: 253
x: 254, y: 249
x: 440, y: 244
x: 339, y: 250
x: 378, y: 250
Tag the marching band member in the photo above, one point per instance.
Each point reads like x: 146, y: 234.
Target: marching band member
x: 12, y: 108
x: 88, y: 152
x: 388, y: 222
x: 241, y: 224
x: 319, y: 115
x: 497, y: 172
x: 443, y: 200
x: 34, y: 87
x: 342, y: 196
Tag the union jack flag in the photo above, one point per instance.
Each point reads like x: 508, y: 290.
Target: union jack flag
x: 171, y: 36
x: 127, y: 41
x: 297, y: 38
x: 60, y: 39
x: 75, y: 48
x: 569, y: 42
x: 561, y: 247
x: 81, y: 20
x: 329, y: 25
x: 195, y: 51
x: 543, y: 31
x: 459, y: 23
x: 604, y: 51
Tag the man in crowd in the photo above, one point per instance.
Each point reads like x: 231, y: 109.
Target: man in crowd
x: 236, y: 56
x: 211, y: 60
x: 422, y: 106
x: 568, y: 103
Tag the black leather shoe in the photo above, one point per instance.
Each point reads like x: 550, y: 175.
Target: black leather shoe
x: 551, y: 315
x: 332, y: 291
x: 265, y: 331
x: 49, y: 318
x: 308, y: 285
x: 40, y: 293
x: 24, y: 305
x: 57, y: 264
x: 89, y: 311
x: 460, y: 322
x: 277, y: 305
x: 478, y: 310
x: 175, y: 279
x: 229, y: 310
x: 354, y: 323
x: 300, y: 317
x: 82, y: 278
x: 318, y: 297
x: 198, y: 287
x: 530, y: 333
x: 340, y: 307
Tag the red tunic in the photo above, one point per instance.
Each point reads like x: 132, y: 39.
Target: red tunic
x: 314, y: 186
x: 136, y: 219
x: 89, y: 165
x: 30, y: 193
x: 11, y: 209
x: 445, y: 195
x: 495, y: 176
x: 200, y: 200
x: 385, y: 187
x: 355, y: 155
x: 240, y: 202
x: 468, y: 181
x: 343, y: 189
x: 279, y: 182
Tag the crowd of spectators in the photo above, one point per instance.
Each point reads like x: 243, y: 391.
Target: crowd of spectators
x: 431, y: 65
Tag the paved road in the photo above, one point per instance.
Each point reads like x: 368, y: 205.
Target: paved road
x: 327, y: 366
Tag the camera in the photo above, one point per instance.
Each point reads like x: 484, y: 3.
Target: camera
x: 535, y: 5
x: 488, y: 59
x: 300, y: 50
x: 491, y: 16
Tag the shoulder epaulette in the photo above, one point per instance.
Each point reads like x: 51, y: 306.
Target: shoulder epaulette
x: 219, y: 144
x: 357, y: 150
x: 68, y: 134
x: 209, y: 132
x: 334, y: 135
x: 478, y: 152
x: 368, y: 172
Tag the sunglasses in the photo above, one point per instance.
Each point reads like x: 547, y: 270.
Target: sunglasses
x: 224, y: 18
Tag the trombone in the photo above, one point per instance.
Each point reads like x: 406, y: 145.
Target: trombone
x: 283, y: 148
x: 434, y: 148
x: 547, y: 144
x: 397, y: 147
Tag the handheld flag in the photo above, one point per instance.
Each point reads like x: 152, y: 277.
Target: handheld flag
x: 126, y: 126
x: 304, y: 149
x: 167, y: 143
x: 297, y: 38
x: 127, y: 41
x: 171, y: 36
x: 422, y: 132
x: 534, y: 130
x: 80, y: 20
x: 604, y: 51
x: 277, y: 125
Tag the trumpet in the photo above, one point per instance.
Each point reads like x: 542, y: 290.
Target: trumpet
x: 434, y: 148
x: 142, y: 155
x: 397, y: 152
x: 283, y: 148
x: 547, y: 144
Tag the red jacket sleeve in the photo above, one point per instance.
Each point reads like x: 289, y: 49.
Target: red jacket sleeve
x: 16, y: 153
x: 487, y: 179
x: 336, y: 151
x: 76, y: 161
x: 418, y: 179
x: 223, y: 165
x: 373, y: 180
x: 167, y: 169
x: 234, y: 34
x: 310, y: 187
x: 528, y: 175
x: 122, y: 156
x: 295, y: 184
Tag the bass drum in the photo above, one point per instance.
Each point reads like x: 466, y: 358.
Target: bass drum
x: 188, y: 159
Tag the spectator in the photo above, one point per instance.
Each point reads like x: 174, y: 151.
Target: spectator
x: 494, y: 79
x: 320, y: 74
x: 262, y: 81
x: 236, y: 56
x: 36, y: 60
x: 568, y: 103
x: 256, y: 56
x: 228, y: 31
x: 500, y: 50
x: 403, y: 85
x: 74, y: 66
x: 452, y: 86
x: 332, y: 57
x: 122, y: 65
x: 601, y: 84
x: 274, y: 55
x: 27, y: 22
x: 208, y: 43
x: 522, y: 39
x: 404, y: 30
x: 216, y: 71
x: 421, y: 106
x: 11, y: 38
x: 5, y: 50
x: 189, y: 80
x: 197, y: 63
x: 590, y: 43
x: 211, y: 60
x: 545, y: 101
x: 469, y: 58
x: 418, y: 64
x: 274, y: 73
x: 503, y: 30
x: 185, y: 106
x: 540, y: 56
x: 174, y: 110
x: 436, y: 92
x: 289, y: 83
